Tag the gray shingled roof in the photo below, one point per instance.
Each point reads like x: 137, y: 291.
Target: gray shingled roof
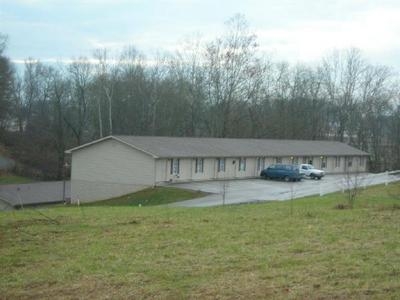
x: 223, y: 147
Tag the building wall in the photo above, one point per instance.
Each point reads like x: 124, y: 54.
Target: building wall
x: 210, y: 167
x: 109, y: 169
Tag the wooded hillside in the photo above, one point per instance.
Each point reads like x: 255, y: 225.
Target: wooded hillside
x: 221, y: 88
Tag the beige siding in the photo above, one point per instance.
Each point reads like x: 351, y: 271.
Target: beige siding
x: 210, y: 167
x: 250, y: 167
x: 109, y: 169
x: 231, y: 165
x: 162, y: 170
x: 221, y: 174
x: 332, y: 168
x: 355, y: 167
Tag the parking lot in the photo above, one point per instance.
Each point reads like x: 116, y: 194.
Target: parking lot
x: 255, y: 190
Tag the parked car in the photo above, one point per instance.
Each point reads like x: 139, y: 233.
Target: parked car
x: 281, y: 171
x: 309, y: 171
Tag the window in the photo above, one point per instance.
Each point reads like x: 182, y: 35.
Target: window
x: 350, y: 162
x: 260, y: 163
x: 323, y: 162
x: 278, y: 160
x: 174, y: 166
x: 242, y: 164
x: 337, y: 162
x: 199, y: 165
x: 362, y: 161
x: 221, y: 164
x: 307, y: 160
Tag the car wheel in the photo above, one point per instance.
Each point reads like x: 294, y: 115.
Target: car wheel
x: 312, y: 176
x: 286, y: 178
x: 319, y: 177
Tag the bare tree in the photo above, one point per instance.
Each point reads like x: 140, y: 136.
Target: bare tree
x: 375, y: 105
x: 18, y: 106
x: 81, y: 75
x: 107, y: 73
x: 353, y: 182
x: 229, y: 62
x: 341, y: 74
x: 187, y: 71
x: 131, y: 93
x: 3, y: 42
x: 59, y: 95
x: 6, y: 83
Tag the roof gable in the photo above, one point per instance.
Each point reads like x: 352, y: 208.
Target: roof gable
x: 69, y: 151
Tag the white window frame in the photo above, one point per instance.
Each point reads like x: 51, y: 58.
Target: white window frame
x: 242, y: 164
x: 337, y: 161
x: 221, y: 164
x: 199, y: 167
x: 324, y: 162
x: 174, y: 167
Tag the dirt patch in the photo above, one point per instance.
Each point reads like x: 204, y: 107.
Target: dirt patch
x: 85, y: 288
x: 131, y: 222
x: 392, y: 207
x: 342, y: 206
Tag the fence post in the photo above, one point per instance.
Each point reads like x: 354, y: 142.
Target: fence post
x: 224, y: 191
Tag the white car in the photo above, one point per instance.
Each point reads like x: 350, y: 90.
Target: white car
x: 309, y: 171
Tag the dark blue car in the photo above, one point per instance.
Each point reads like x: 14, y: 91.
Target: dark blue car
x: 281, y: 171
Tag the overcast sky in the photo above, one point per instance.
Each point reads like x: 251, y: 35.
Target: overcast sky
x: 297, y: 31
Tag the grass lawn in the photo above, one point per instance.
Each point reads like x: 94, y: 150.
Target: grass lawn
x: 242, y: 251
x: 150, y: 197
x: 14, y: 179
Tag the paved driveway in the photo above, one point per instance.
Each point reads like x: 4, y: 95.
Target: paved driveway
x: 254, y: 190
x: 33, y: 193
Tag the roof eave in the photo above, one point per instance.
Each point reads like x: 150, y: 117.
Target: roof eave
x: 69, y: 151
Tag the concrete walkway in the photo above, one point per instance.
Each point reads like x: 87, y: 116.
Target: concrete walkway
x: 255, y: 190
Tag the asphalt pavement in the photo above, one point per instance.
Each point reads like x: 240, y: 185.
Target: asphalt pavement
x: 236, y: 191
x: 16, y: 195
x: 256, y: 190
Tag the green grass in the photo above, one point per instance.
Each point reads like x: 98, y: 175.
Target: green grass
x: 150, y: 197
x: 14, y: 179
x: 242, y: 251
